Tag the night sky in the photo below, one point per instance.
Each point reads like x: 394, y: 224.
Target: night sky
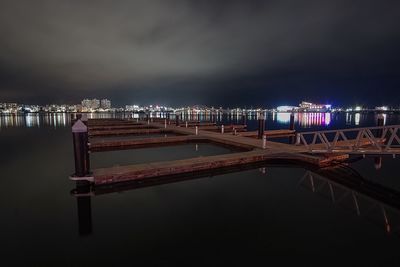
x: 216, y: 52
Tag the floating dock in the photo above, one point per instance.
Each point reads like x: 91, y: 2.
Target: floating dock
x: 251, y: 150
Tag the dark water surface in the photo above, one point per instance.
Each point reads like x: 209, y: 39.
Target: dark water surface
x: 273, y: 215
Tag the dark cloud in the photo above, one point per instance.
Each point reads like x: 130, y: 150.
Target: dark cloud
x: 213, y: 52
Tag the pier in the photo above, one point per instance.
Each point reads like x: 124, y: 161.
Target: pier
x: 251, y: 149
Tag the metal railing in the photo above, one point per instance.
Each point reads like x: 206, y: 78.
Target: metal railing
x: 368, y: 140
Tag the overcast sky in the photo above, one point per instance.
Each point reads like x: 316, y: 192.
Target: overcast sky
x: 200, y: 52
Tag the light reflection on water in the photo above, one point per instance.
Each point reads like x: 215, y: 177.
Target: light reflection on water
x: 305, y: 120
x: 273, y: 119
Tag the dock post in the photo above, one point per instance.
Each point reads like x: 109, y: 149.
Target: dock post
x: 261, y: 125
x: 234, y: 131
x: 177, y: 119
x: 165, y: 123
x: 264, y: 142
x: 72, y: 118
x: 197, y: 130
x: 222, y: 129
x: 186, y: 124
x: 298, y: 140
x: 291, y: 126
x: 81, y: 149
x: 244, y: 119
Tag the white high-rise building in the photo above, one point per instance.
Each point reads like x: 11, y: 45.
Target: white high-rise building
x: 105, y: 104
x: 91, y: 103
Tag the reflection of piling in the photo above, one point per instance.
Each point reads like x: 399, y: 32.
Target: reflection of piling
x: 261, y: 125
x: 84, y: 211
x: 81, y: 149
x: 380, y: 121
x: 378, y: 163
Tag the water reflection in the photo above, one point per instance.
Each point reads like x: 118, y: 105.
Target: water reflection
x: 348, y: 189
x: 302, y: 120
x: 357, y: 117
x: 305, y: 120
x: 341, y: 184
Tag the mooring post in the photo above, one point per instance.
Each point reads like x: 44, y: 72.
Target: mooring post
x: 197, y: 130
x: 244, y: 119
x: 234, y: 131
x: 165, y: 123
x: 291, y: 126
x: 298, y: 140
x: 81, y: 150
x: 186, y: 124
x: 177, y: 119
x: 72, y: 118
x: 222, y: 129
x: 264, y: 142
x: 261, y: 125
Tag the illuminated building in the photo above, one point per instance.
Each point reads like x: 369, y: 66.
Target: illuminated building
x: 286, y: 108
x: 105, y: 104
x: 311, y: 107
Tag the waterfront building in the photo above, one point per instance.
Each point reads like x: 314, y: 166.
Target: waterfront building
x: 286, y: 108
x: 311, y: 107
x: 90, y: 104
x: 105, y: 104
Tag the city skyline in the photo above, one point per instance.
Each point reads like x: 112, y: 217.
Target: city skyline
x: 212, y: 53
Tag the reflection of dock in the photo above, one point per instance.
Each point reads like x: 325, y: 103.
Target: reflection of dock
x: 345, y: 187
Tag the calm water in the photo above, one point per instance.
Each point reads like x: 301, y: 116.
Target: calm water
x: 260, y: 216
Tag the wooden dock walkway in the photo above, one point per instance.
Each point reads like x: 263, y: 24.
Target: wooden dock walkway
x: 153, y: 130
x: 252, y: 151
x: 166, y: 168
